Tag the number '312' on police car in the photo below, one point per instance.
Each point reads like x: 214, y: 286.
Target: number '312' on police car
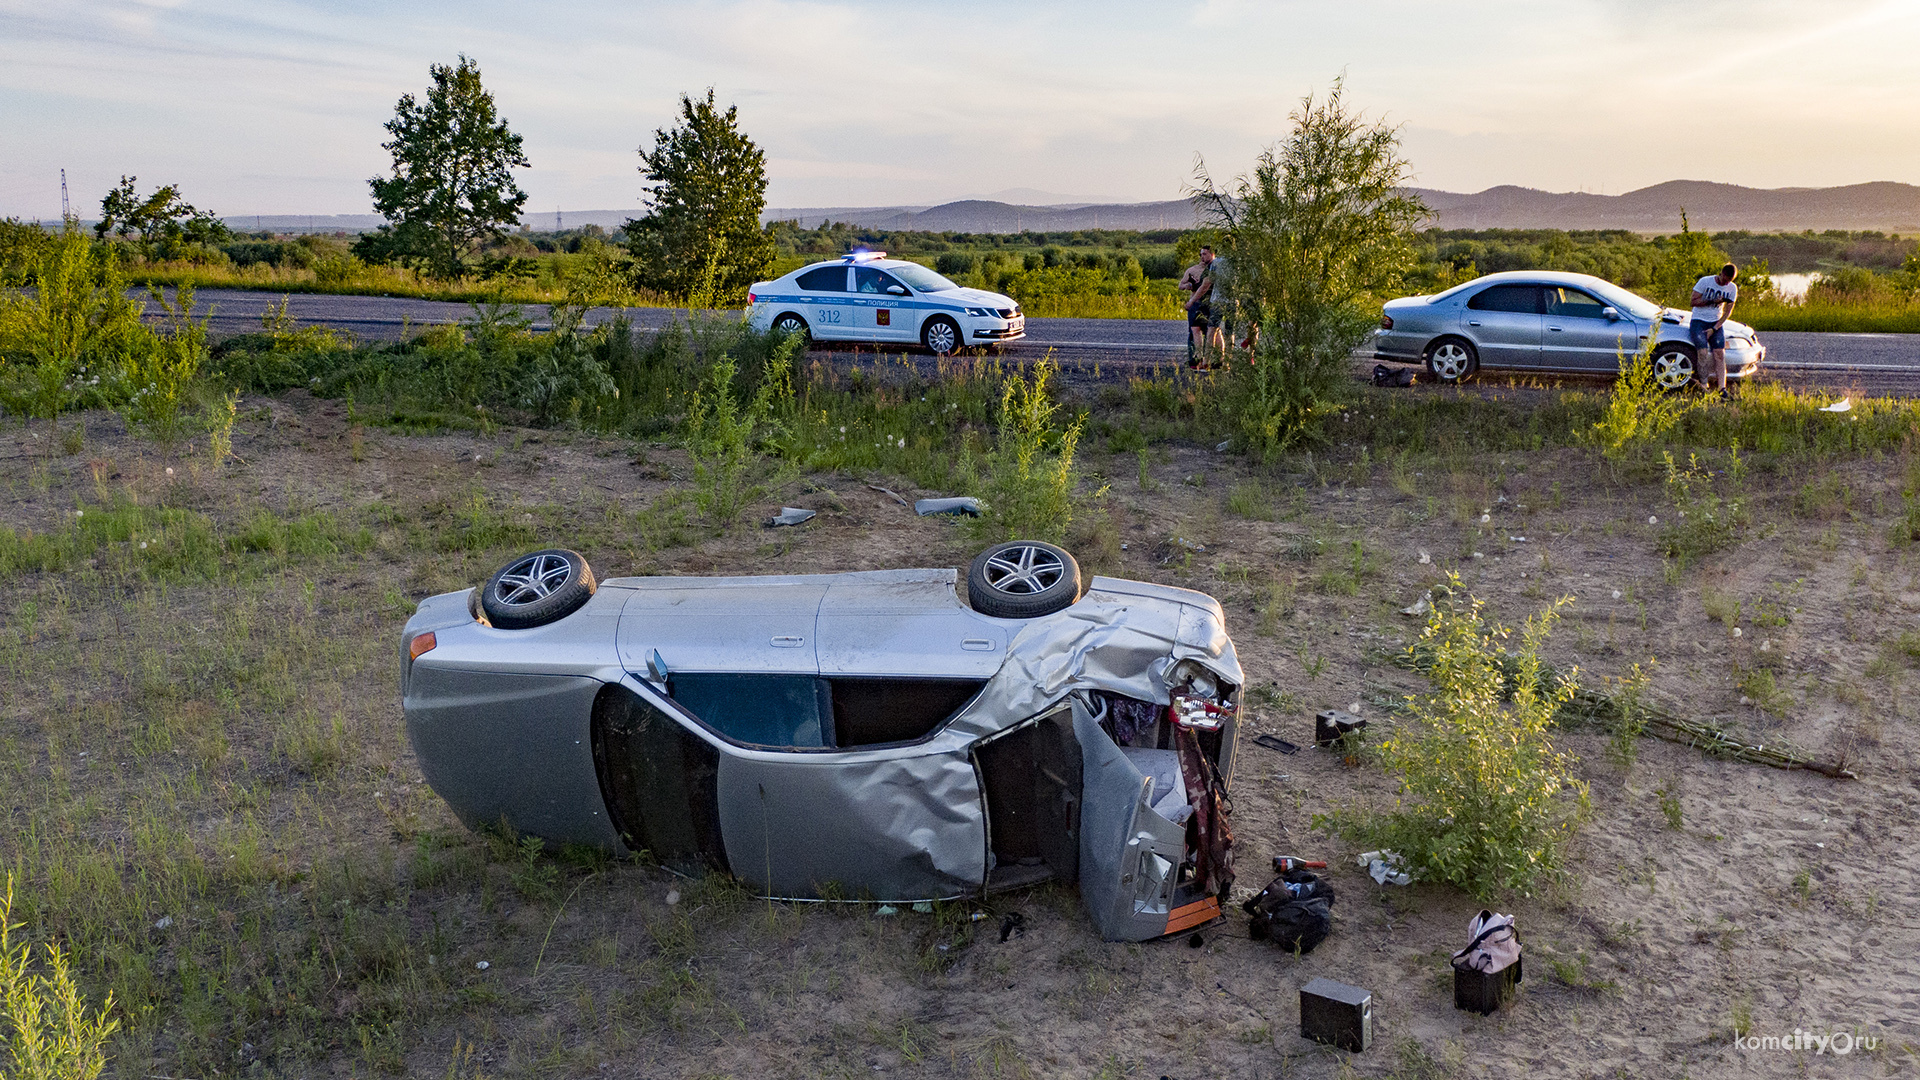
x: 869, y: 297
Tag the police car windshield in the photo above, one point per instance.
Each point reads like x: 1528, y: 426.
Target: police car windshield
x: 920, y: 279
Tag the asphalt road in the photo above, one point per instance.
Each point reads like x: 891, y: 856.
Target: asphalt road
x: 1868, y: 363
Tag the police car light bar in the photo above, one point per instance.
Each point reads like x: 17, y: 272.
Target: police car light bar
x: 863, y: 256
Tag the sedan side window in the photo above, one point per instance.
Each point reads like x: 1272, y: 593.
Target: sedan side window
x: 872, y: 712
x: 868, y: 280
x: 825, y: 279
x: 781, y: 712
x: 1574, y: 304
x: 1520, y: 299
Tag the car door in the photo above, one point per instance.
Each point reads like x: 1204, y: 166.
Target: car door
x: 1579, y: 335
x: 880, y: 305
x: 1503, y: 322
x: 829, y: 311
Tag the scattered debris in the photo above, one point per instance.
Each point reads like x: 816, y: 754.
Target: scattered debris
x: 1332, y: 725
x: 1386, y: 376
x: 1275, y: 742
x: 481, y: 966
x: 923, y: 908
x: 1424, y: 557
x: 965, y: 504
x: 1418, y: 607
x: 1294, y: 912
x: 1220, y: 448
x: 164, y: 922
x: 790, y: 515
x: 886, y: 909
x: 1336, y: 1014
x: 1013, y: 925
x: 1385, y: 867
x: 1485, y: 972
x: 890, y: 491
x: 1845, y: 404
x: 673, y: 897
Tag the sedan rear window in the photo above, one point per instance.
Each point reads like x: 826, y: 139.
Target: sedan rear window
x: 1522, y: 299
x: 824, y: 279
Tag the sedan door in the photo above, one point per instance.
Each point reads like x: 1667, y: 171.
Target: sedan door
x: 1503, y: 321
x: 1579, y: 335
x: 880, y: 305
x: 828, y: 312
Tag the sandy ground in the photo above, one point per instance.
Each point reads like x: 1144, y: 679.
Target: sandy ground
x: 1783, y: 902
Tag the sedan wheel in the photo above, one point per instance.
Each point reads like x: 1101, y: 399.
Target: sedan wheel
x: 1022, y: 579
x: 1452, y: 359
x: 537, y: 589
x: 940, y: 337
x: 790, y: 324
x: 1672, y: 368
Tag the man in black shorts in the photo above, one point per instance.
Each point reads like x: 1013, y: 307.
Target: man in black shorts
x: 1200, y: 312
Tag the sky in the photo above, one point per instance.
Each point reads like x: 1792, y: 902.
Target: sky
x: 276, y: 106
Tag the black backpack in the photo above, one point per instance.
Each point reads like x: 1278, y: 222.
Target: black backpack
x: 1294, y: 912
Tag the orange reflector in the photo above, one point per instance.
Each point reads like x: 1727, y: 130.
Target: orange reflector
x: 421, y: 643
x: 1198, y: 913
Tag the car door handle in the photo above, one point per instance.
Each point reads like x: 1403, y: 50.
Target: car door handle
x: 977, y: 644
x: 786, y: 641
x: 1473, y: 322
x: 1555, y: 329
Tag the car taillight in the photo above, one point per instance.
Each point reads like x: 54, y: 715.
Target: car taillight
x: 421, y: 645
x: 1386, y: 322
x: 752, y: 299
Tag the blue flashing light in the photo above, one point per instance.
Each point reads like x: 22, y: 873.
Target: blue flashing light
x: 863, y: 256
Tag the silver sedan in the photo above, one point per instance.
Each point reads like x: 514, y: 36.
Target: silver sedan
x: 1548, y: 321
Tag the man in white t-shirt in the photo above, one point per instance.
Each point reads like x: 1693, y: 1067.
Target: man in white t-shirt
x: 1712, y: 300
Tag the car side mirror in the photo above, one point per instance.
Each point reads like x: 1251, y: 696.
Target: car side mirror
x: 896, y: 290
x: 657, y: 668
x: 1612, y: 313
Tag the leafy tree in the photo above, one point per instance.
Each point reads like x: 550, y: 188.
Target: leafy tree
x: 708, y: 185
x: 1316, y: 236
x: 1689, y: 257
x: 452, y: 186
x: 161, y: 222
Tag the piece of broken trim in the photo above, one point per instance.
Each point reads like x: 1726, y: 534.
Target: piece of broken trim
x: 965, y: 504
x: 890, y: 491
x: 790, y: 515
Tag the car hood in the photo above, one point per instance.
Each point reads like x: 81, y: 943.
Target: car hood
x: 976, y: 297
x: 1680, y: 317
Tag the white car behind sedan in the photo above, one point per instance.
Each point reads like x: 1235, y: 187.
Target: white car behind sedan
x: 869, y: 297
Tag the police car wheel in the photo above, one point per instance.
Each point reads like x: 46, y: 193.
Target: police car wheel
x: 941, y: 336
x: 790, y: 323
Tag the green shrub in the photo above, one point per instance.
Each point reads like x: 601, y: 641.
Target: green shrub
x: 1031, y: 476
x: 1487, y: 801
x: 1638, y: 410
x: 51, y: 1033
x: 1703, y: 521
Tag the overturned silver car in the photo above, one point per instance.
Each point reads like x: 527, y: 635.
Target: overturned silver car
x: 847, y: 736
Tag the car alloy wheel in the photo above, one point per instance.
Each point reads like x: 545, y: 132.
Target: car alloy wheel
x: 1022, y: 579
x: 790, y: 324
x: 1451, y: 360
x: 537, y: 589
x: 941, y: 337
x: 1672, y: 368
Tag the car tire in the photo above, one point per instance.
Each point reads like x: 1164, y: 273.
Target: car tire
x: 536, y: 589
x: 1022, y: 579
x: 1674, y: 367
x: 941, y: 336
x: 1452, y: 359
x: 789, y: 323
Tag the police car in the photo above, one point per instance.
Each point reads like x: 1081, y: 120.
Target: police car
x: 866, y: 296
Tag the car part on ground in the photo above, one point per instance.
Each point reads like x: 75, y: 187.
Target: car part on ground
x: 537, y: 589
x: 1022, y: 579
x: 855, y: 736
x: 965, y: 504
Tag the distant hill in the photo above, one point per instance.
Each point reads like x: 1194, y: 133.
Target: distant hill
x: 1886, y: 206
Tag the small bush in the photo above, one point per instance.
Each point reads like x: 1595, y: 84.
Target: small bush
x: 1638, y: 410
x: 1488, y: 802
x: 1704, y: 522
x: 51, y: 1032
x: 1030, y: 472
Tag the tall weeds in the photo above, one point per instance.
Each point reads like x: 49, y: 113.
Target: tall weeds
x: 51, y: 1033
x: 1638, y: 409
x: 1031, y: 476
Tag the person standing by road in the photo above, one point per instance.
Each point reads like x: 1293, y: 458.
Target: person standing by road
x: 1222, y: 310
x: 1195, y: 323
x: 1194, y: 284
x: 1713, y: 299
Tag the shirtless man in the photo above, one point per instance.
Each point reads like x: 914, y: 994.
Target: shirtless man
x: 1713, y: 299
